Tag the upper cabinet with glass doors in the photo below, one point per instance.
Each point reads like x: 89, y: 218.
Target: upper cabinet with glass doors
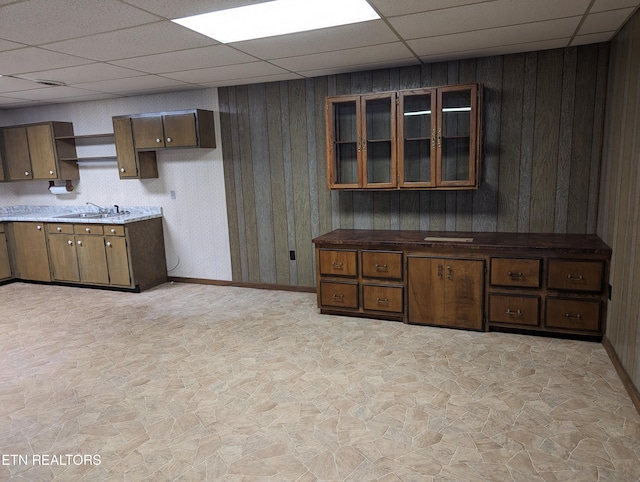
x: 410, y: 139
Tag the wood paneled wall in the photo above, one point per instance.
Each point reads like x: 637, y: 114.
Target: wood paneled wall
x: 619, y: 218
x: 543, y: 118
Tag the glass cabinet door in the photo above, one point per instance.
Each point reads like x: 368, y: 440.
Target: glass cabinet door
x: 417, y: 137
x: 457, y: 136
x: 343, y: 142
x: 379, y: 156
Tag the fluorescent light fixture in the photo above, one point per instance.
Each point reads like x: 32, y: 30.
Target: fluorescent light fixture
x: 418, y: 112
x: 456, y: 109
x: 277, y: 17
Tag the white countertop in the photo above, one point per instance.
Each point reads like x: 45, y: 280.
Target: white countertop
x: 51, y: 214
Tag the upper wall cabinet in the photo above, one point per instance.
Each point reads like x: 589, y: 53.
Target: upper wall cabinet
x: 410, y: 139
x: 40, y: 151
x: 137, y: 137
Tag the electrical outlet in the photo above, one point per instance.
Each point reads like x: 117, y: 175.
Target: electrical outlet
x: 292, y: 255
x: 172, y: 194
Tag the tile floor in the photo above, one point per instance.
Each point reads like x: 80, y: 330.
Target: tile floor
x: 192, y: 382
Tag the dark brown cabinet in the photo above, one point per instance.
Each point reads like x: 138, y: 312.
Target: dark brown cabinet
x: 445, y: 292
x: 63, y: 257
x: 410, y: 139
x: 5, y: 265
x: 40, y: 151
x: 132, y: 164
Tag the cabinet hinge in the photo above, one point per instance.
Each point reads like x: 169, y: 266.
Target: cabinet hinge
x: 485, y: 270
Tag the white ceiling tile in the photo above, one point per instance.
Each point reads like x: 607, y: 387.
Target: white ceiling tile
x: 173, y: 9
x: 316, y: 41
x: 49, y: 93
x: 11, y: 84
x: 147, y: 39
x: 592, y: 38
x: 602, y: 5
x: 8, y: 102
x: 392, y: 8
x: 131, y: 83
x: 484, y: 15
x: 604, y: 21
x: 495, y: 37
x: 253, y: 80
x: 6, y: 45
x: 354, y: 68
x: 349, y: 57
x: 41, y: 19
x: 84, y: 73
x: 191, y: 59
x: 32, y: 59
x: 502, y: 50
x: 227, y: 72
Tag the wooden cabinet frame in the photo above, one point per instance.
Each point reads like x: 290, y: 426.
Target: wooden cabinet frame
x: 433, y: 138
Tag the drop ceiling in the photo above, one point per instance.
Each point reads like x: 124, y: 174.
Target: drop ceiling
x: 101, y: 49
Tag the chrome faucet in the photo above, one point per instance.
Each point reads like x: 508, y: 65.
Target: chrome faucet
x: 101, y: 210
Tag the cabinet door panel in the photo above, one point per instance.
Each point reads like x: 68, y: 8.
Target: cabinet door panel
x: 16, y: 148
x: 148, y: 132
x: 379, y: 140
x: 41, y: 149
x: 464, y: 281
x: 5, y: 267
x: 92, y: 259
x: 426, y: 290
x: 180, y: 130
x: 32, y: 258
x: 118, y: 261
x: 344, y: 158
x: 63, y: 258
x: 125, y: 150
x: 417, y: 138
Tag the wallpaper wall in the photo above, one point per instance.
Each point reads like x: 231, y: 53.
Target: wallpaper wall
x: 619, y: 220
x: 195, y: 222
x: 543, y: 120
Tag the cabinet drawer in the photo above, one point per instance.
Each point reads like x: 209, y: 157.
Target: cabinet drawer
x: 575, y: 275
x: 520, y: 310
x: 579, y: 315
x: 382, y: 264
x: 88, y: 228
x: 338, y: 262
x: 382, y: 298
x: 60, y: 228
x: 524, y: 273
x: 342, y: 295
x: 114, y: 230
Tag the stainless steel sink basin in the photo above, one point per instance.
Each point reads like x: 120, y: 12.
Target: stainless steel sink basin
x: 89, y: 215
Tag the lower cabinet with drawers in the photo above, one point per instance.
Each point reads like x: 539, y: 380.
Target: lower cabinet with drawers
x: 548, y: 283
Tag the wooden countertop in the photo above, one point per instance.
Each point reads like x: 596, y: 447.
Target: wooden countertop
x: 570, y: 243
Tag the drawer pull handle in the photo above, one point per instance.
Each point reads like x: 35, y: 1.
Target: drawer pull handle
x: 569, y: 316
x: 450, y: 272
x: 336, y: 265
x: 575, y: 278
x: 433, y: 138
x: 515, y: 275
x: 383, y: 301
x: 381, y: 267
x: 339, y: 298
x: 510, y: 312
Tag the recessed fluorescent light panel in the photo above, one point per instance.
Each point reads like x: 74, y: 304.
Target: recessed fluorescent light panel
x: 277, y: 17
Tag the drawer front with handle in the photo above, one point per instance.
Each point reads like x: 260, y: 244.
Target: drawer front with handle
x: 382, y: 298
x: 337, y: 262
x: 61, y: 228
x: 114, y: 229
x: 579, y: 315
x: 382, y: 264
x: 524, y: 273
x: 339, y: 295
x: 519, y: 310
x: 569, y: 275
x: 88, y: 228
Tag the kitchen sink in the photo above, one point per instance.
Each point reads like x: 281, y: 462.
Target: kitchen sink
x: 89, y: 215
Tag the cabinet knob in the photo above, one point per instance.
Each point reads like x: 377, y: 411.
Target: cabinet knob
x: 122, y: 169
x: 26, y: 173
x: 158, y: 141
x: 39, y: 228
x: 168, y: 139
x: 58, y: 229
x: 88, y: 230
x: 108, y: 244
x: 113, y: 230
x: 80, y: 243
x: 51, y: 173
x: 70, y: 243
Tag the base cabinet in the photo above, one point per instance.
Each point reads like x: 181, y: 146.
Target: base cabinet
x: 30, y: 251
x: 5, y: 265
x: 445, y: 292
x: 546, y: 283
